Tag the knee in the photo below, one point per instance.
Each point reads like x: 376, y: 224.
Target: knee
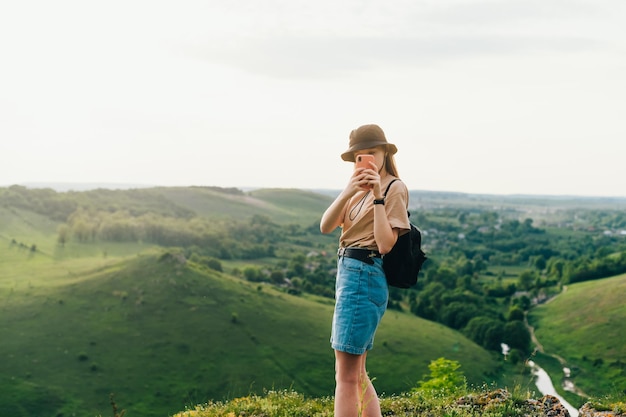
x: 347, y: 377
x: 349, y: 368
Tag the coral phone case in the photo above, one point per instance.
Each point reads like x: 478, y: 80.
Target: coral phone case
x: 363, y: 161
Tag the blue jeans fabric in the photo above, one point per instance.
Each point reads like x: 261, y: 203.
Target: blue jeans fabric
x: 361, y: 295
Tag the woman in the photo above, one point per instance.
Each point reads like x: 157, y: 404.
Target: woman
x: 370, y: 225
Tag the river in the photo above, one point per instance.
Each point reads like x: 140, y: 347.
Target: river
x: 543, y: 381
x: 545, y: 386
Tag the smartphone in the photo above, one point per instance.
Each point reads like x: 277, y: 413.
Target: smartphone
x: 363, y: 161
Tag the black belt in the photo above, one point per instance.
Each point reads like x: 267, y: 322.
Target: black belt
x: 361, y: 254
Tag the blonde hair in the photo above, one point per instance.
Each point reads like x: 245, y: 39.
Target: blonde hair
x: 390, y: 163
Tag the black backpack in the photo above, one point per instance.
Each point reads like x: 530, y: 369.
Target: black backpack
x: 402, y: 264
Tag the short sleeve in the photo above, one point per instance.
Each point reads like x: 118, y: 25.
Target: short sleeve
x: 396, y: 206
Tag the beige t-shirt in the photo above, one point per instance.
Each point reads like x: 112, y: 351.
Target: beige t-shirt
x: 358, y: 221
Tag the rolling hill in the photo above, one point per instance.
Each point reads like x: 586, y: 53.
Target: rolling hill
x: 162, y: 333
x: 86, y: 319
x: 585, y: 324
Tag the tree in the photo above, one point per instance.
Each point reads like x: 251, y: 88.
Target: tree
x: 456, y: 314
x: 523, y: 302
x: 479, y: 263
x: 214, y: 264
x: 517, y: 336
x: 515, y: 314
x: 539, y: 263
x: 63, y: 235
x: 277, y: 277
x: 444, y: 377
x: 252, y: 274
x: 555, y: 267
x: 428, y: 301
x: 296, y: 265
x: 486, y: 331
x: 526, y: 280
x: 444, y: 275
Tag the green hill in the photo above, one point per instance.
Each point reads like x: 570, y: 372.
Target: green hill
x: 162, y: 333
x: 586, y: 325
x: 281, y: 205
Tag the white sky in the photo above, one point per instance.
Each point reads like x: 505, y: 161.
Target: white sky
x: 502, y: 97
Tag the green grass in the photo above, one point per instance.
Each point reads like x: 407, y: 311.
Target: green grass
x: 162, y: 335
x: 419, y: 403
x: 27, y: 398
x: 294, y: 204
x: 280, y: 205
x: 510, y: 274
x: 586, y: 326
x: 27, y: 229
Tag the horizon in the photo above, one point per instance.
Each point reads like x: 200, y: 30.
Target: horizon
x: 90, y: 186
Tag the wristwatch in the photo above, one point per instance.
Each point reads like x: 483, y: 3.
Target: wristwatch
x: 379, y: 201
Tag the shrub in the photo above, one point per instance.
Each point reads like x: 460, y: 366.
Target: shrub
x: 444, y: 377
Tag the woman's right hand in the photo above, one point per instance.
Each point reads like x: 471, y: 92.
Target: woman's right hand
x: 358, y: 182
x: 333, y: 216
x: 364, y: 178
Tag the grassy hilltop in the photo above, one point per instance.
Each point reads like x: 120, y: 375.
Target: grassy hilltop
x: 585, y: 325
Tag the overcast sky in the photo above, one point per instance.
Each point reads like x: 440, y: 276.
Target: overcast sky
x: 500, y: 97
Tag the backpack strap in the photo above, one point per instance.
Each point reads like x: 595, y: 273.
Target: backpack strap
x: 392, y: 181
x: 385, y: 195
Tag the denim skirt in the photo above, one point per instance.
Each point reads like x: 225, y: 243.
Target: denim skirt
x: 361, y: 295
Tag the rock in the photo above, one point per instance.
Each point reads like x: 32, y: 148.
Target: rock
x: 588, y: 411
x: 485, y: 399
x: 549, y: 406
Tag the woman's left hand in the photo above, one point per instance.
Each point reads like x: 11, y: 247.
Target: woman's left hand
x: 372, y: 178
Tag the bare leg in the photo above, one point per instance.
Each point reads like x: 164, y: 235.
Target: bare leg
x: 354, y: 393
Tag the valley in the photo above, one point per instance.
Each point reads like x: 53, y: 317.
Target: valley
x: 170, y: 297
